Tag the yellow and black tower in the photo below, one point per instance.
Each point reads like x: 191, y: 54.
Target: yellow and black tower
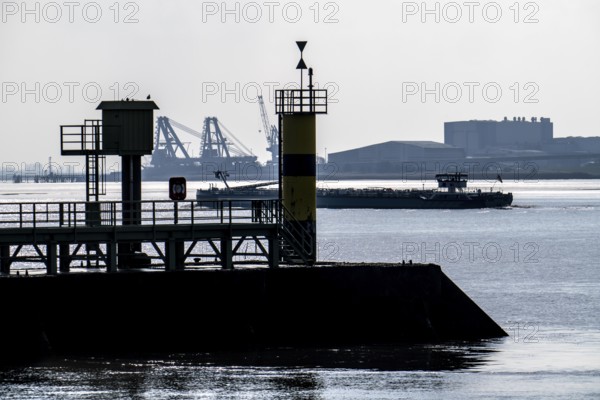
x: 297, y: 110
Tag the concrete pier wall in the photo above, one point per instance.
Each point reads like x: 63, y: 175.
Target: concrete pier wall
x: 195, y: 310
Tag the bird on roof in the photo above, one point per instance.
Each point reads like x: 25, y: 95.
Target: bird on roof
x: 148, y: 98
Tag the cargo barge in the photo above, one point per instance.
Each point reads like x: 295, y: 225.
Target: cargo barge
x: 452, y: 193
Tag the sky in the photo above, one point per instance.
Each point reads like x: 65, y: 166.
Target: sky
x: 395, y: 70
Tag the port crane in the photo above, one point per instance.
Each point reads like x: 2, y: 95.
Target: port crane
x: 166, y: 140
x: 216, y: 142
x: 271, y: 132
x: 220, y: 142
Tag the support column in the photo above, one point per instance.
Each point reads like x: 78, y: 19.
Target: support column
x: 180, y: 255
x: 171, y: 259
x: 126, y: 188
x: 273, y: 251
x: 51, y: 259
x: 227, y: 253
x: 136, y: 190
x: 111, y: 254
x: 64, y: 251
x: 174, y: 254
x: 5, y: 259
x: 124, y: 248
x: 131, y: 188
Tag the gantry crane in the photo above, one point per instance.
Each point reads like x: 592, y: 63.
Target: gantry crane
x: 219, y: 148
x: 271, y: 132
x: 216, y: 141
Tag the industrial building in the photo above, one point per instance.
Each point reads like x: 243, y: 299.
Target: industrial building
x: 572, y: 144
x: 495, y: 137
x: 389, y: 156
x: 508, y: 146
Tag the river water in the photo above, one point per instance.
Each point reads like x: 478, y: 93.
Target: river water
x: 534, y: 268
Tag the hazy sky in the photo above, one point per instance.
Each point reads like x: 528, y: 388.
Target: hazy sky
x: 479, y: 60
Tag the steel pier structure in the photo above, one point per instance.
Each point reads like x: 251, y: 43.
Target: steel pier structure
x: 58, y: 235
x: 133, y: 309
x: 119, y: 234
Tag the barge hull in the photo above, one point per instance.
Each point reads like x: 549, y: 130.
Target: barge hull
x: 415, y: 202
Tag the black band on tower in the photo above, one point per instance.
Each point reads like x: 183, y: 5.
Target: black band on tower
x: 299, y: 165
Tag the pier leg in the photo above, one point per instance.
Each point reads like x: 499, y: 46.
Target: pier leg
x: 136, y: 187
x: 131, y: 188
x: 273, y: 251
x: 174, y: 255
x: 127, y: 195
x: 111, y: 250
x: 179, y: 255
x: 170, y: 259
x: 227, y: 253
x: 124, y: 254
x: 5, y: 259
x: 51, y: 259
x: 65, y: 257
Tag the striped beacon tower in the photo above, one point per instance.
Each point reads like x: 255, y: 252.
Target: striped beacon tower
x: 297, y: 110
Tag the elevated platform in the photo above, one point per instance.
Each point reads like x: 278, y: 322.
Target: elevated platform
x: 56, y: 233
x: 297, y: 101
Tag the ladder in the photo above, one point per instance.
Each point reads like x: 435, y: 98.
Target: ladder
x: 95, y: 163
x: 95, y: 173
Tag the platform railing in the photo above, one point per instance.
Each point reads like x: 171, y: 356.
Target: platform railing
x: 116, y: 213
x: 81, y: 139
x: 295, y: 240
x: 301, y: 101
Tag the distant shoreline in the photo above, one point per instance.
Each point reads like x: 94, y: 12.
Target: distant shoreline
x: 428, y: 177
x: 398, y: 177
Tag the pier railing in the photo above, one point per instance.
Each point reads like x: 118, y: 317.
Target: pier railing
x: 295, y: 240
x: 115, y: 213
x: 297, y: 101
x: 230, y: 229
x: 81, y: 139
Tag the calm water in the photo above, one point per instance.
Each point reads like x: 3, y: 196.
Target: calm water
x: 535, y: 268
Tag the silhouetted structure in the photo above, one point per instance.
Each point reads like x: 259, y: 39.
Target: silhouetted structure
x: 126, y: 130
x: 220, y: 150
x: 390, y: 156
x: 491, y: 137
x: 103, y: 312
x: 297, y: 110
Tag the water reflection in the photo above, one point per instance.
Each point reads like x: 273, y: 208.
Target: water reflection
x: 308, y: 373
x: 415, y: 357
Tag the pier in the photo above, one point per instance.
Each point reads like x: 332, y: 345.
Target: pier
x: 170, y: 275
x: 60, y: 234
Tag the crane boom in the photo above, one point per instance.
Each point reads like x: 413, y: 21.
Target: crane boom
x: 186, y: 129
x: 271, y: 132
x: 265, y: 119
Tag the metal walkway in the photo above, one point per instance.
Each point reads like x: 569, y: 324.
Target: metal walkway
x: 173, y: 234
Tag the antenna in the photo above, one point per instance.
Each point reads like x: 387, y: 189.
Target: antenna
x: 310, y: 89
